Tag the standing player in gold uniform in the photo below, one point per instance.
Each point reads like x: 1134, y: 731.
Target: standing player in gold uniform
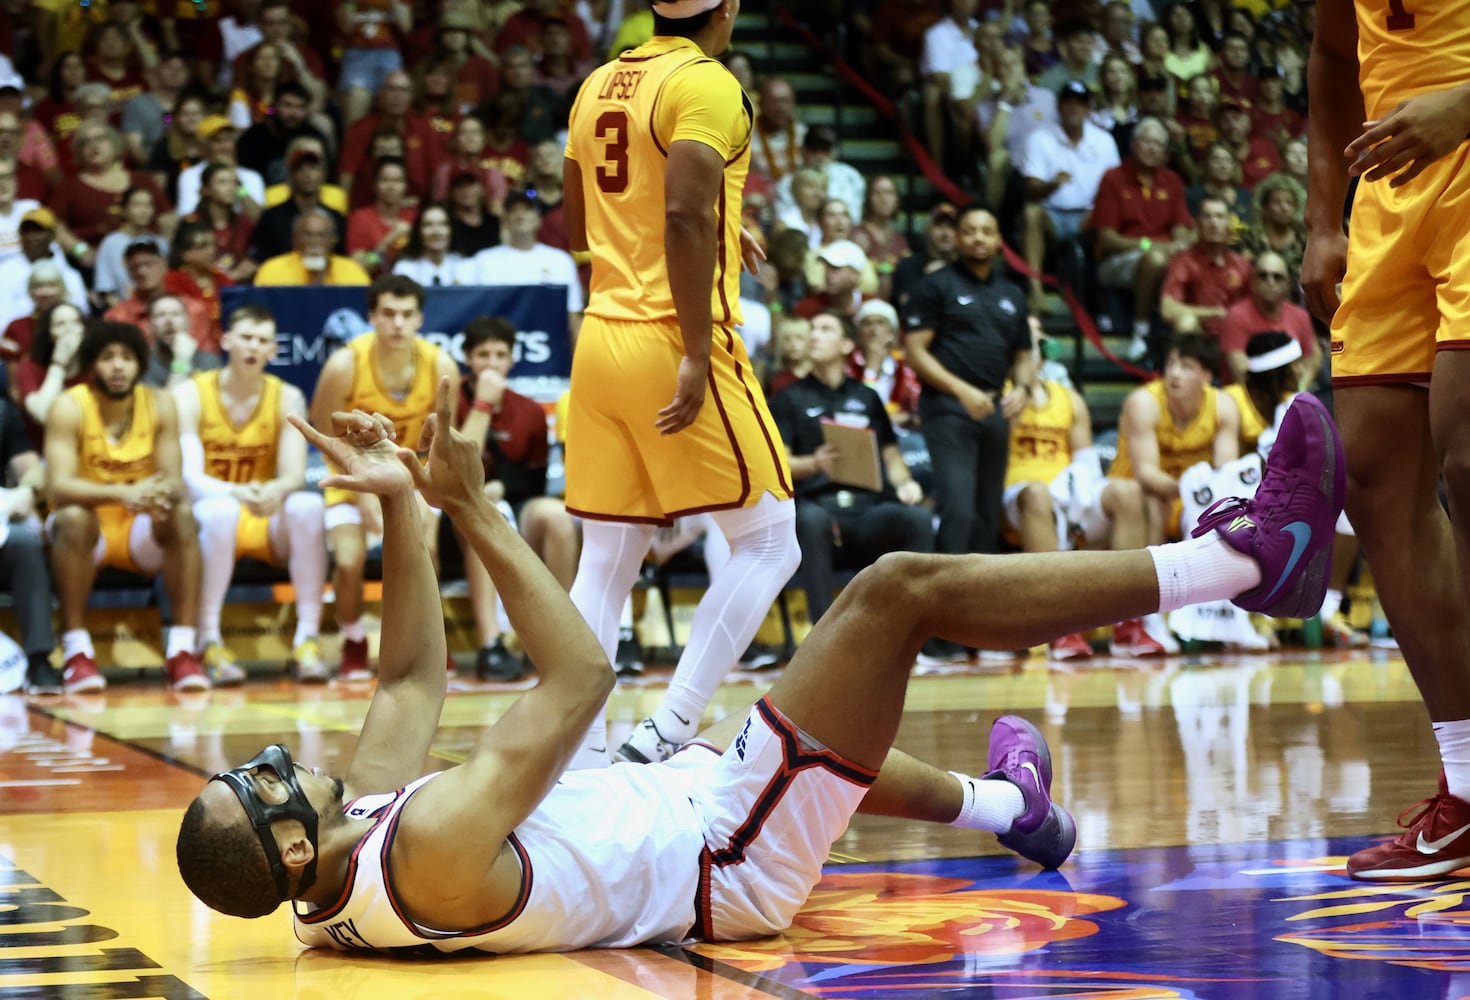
x: 1401, y: 354
x: 246, y: 471
x: 118, y: 499
x: 666, y: 417
x: 392, y: 371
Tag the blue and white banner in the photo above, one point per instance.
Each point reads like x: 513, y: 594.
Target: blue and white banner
x: 312, y: 322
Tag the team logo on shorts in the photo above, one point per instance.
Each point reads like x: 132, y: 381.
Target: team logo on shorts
x: 740, y: 740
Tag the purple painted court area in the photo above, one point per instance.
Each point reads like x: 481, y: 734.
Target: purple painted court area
x: 1276, y: 921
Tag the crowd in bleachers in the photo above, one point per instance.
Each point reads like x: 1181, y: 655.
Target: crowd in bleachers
x: 152, y: 154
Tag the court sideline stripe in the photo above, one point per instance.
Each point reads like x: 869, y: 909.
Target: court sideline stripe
x: 751, y: 979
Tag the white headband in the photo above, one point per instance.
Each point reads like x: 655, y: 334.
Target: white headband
x: 1272, y: 360
x: 677, y: 10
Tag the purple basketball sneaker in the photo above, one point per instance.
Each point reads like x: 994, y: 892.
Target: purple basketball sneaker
x: 1045, y: 833
x: 1289, y: 525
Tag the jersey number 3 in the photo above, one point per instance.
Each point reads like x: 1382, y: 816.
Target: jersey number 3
x: 612, y: 128
x: 1398, y: 18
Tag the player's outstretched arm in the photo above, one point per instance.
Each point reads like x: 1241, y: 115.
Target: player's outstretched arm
x: 522, y: 755
x: 400, y: 724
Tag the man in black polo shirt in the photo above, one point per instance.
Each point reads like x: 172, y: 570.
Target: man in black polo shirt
x: 967, y: 332
x: 839, y: 525
x: 23, y: 566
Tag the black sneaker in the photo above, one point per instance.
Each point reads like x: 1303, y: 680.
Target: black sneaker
x: 628, y: 660
x: 495, y: 663
x: 41, y: 677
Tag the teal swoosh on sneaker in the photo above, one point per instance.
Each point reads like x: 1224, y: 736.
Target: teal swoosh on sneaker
x: 1301, y: 534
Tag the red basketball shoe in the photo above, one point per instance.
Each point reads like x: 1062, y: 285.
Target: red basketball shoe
x: 1435, y: 842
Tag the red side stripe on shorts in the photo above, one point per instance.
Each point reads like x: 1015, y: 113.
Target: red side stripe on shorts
x: 794, y: 761
x: 739, y: 456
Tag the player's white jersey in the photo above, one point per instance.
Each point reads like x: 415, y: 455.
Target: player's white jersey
x: 610, y: 859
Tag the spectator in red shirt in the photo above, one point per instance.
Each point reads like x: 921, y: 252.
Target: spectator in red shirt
x: 1204, y: 280
x: 506, y: 149
x: 1233, y: 76
x: 122, y: 56
x: 475, y: 78
x: 1141, y: 222
x: 90, y: 205
x: 516, y: 452
x: 1266, y: 308
x: 895, y: 40
x: 377, y: 233
x: 1258, y: 157
x: 46, y: 288
x: 51, y: 367
x: 147, y: 270
x: 470, y: 157
x: 527, y: 27
x: 395, y: 113
x: 1197, y: 118
x: 57, y: 111
x: 278, y: 28
x: 231, y: 229
x: 558, y: 68
x: 194, y: 275
x: 370, y: 55
x: 1270, y: 117
x: 844, y: 261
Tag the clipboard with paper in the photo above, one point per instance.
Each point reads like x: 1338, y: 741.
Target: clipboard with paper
x: 857, y: 461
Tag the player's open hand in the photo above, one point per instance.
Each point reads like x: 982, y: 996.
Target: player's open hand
x: 454, y: 478
x: 688, y: 397
x: 752, y: 254
x: 1412, y: 136
x: 362, y: 446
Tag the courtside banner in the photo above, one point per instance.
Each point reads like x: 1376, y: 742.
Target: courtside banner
x: 312, y: 322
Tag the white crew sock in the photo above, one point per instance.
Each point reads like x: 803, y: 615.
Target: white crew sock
x: 989, y: 805
x: 1331, y: 604
x: 353, y: 631
x: 1454, y: 751
x: 1201, y: 569
x: 307, y: 561
x: 77, y: 641
x: 181, y: 639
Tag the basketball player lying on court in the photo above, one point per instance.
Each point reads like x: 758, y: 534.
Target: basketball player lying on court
x: 506, y: 853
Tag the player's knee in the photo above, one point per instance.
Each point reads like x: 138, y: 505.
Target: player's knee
x: 305, y: 505
x: 1123, y: 498
x: 894, y: 580
x: 217, y: 513
x: 73, y: 525
x: 1035, y: 501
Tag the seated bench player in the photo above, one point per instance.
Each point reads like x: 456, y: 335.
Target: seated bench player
x: 246, y: 473
x: 391, y: 371
x: 1055, y: 486
x: 117, y: 497
x: 509, y: 852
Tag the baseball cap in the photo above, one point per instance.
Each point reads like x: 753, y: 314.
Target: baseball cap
x: 843, y: 253
x: 944, y: 212
x: 212, y: 124
x: 302, y: 154
x: 1075, y: 89
x: 1232, y: 103
x: 40, y: 216
x: 877, y: 307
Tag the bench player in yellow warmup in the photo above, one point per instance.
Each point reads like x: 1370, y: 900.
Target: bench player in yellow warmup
x: 246, y: 471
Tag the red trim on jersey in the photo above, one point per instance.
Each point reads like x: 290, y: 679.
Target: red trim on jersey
x: 739, y: 457
x: 523, y: 896
x: 1348, y: 381
x: 328, y: 912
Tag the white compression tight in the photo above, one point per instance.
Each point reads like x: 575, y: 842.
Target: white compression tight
x: 296, y: 533
x: 764, y: 554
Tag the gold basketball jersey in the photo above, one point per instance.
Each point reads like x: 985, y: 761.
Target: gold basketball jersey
x: 1252, y: 423
x: 1410, y: 47
x: 367, y: 393
x: 1179, y: 447
x: 1041, y: 439
x: 126, y: 460
x: 243, y: 454
x: 627, y: 115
